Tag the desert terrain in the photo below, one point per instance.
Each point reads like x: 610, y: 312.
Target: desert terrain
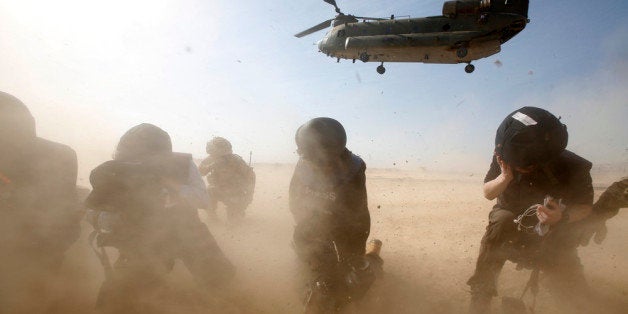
x: 430, y: 223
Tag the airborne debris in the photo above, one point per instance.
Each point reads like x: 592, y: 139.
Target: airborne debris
x: 498, y: 63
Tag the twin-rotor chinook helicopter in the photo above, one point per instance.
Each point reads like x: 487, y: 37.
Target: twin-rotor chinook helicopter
x: 468, y: 30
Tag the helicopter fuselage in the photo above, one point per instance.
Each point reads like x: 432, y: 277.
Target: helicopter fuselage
x: 435, y: 39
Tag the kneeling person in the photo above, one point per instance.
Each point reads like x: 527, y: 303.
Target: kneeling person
x: 329, y: 205
x: 229, y: 179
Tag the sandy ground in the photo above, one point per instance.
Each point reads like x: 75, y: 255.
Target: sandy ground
x: 430, y: 223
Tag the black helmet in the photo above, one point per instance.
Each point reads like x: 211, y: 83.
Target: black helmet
x: 218, y: 146
x: 17, y: 125
x: 530, y: 136
x: 142, y: 141
x: 321, y: 138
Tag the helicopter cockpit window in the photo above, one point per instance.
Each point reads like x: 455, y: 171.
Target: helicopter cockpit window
x: 342, y: 33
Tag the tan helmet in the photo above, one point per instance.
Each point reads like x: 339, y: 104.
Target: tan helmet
x: 218, y: 146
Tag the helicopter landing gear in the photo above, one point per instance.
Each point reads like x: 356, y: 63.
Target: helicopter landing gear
x: 381, y: 69
x: 462, y: 52
x: 469, y: 68
x: 364, y: 57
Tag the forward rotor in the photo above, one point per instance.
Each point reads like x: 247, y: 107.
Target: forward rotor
x: 341, y: 18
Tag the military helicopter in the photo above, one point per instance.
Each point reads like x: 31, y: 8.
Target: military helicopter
x: 468, y: 30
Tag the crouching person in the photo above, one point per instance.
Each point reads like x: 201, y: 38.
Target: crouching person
x: 541, y: 190
x: 144, y: 203
x: 329, y: 205
x: 229, y: 180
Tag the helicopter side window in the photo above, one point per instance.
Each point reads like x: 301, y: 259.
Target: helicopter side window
x: 342, y: 33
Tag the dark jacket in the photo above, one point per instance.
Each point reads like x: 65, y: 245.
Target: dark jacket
x: 38, y: 202
x: 567, y: 177
x: 330, y: 208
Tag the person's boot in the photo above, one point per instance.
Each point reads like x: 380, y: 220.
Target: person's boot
x: 480, y: 303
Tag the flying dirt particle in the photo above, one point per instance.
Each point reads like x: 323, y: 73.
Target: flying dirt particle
x: 188, y: 49
x: 394, y: 163
x: 357, y: 77
x: 239, y: 61
x: 379, y: 206
x: 498, y: 63
x: 530, y: 72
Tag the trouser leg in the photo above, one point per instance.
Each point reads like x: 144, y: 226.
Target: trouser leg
x: 131, y: 287
x: 491, y: 259
x: 212, y: 205
x: 567, y: 285
x: 201, y: 254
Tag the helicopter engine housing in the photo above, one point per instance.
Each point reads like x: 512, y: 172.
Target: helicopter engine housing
x: 469, y: 7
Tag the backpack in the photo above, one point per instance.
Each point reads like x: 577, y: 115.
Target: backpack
x: 530, y: 136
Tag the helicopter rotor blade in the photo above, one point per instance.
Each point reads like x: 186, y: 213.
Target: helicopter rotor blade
x: 315, y: 28
x: 333, y: 2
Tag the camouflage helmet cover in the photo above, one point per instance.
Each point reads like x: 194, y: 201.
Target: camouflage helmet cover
x: 219, y: 146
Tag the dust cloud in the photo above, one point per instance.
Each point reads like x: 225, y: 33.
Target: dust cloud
x: 430, y: 223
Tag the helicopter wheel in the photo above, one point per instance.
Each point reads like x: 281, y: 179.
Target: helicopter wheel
x: 381, y: 69
x: 469, y: 68
x: 364, y: 57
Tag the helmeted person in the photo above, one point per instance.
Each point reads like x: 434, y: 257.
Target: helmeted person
x: 144, y: 203
x: 542, y: 189
x: 606, y: 207
x: 229, y: 179
x: 328, y: 201
x: 39, y: 213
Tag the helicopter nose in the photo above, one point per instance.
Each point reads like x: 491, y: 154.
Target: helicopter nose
x: 320, y: 45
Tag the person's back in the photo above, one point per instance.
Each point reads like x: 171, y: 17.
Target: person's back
x: 329, y: 204
x: 330, y: 207
x: 39, y: 216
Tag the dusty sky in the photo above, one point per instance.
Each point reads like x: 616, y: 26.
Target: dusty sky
x: 90, y: 70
